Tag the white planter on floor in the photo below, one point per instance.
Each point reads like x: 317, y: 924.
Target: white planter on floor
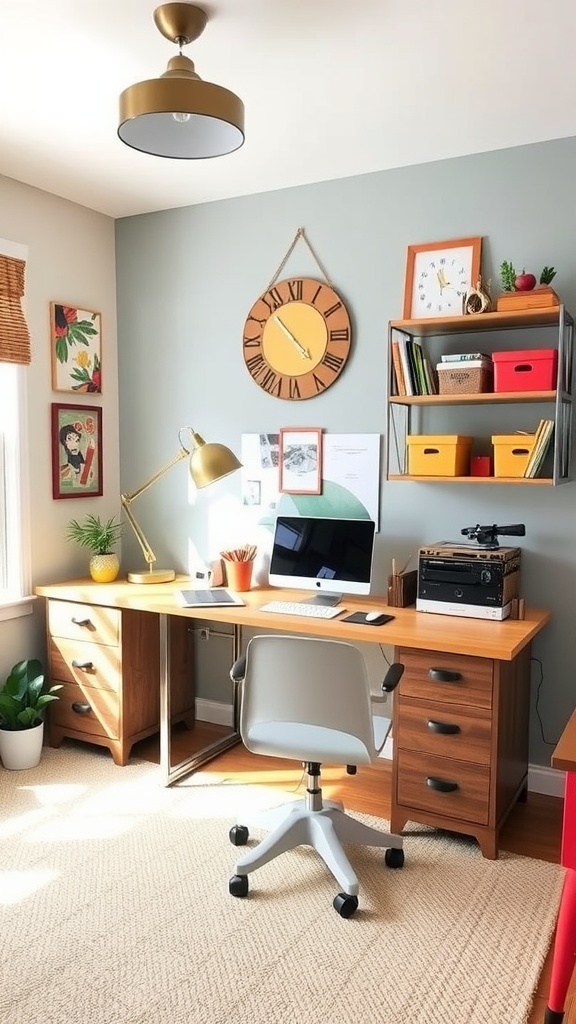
x: 21, y: 748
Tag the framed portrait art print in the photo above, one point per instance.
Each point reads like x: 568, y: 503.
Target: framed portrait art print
x: 76, y: 349
x: 76, y: 451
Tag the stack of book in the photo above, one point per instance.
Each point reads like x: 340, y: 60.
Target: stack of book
x: 542, y: 439
x: 413, y: 373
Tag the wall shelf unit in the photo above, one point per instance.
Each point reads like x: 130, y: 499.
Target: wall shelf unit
x: 409, y: 414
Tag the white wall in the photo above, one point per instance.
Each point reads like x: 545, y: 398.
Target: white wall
x: 71, y: 260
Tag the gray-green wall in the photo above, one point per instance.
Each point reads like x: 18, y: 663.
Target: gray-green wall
x: 186, y: 279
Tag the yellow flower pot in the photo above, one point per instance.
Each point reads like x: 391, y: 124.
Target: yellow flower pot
x: 104, y: 568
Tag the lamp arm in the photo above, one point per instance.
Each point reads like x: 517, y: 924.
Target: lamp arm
x: 127, y: 499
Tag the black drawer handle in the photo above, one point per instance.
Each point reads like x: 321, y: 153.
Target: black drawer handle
x: 87, y: 665
x: 445, y: 728
x: 440, y: 785
x: 443, y: 675
x: 81, y: 622
x: 81, y: 709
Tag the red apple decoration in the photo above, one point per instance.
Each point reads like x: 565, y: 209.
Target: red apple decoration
x: 525, y: 282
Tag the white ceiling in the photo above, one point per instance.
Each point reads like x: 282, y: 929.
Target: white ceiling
x: 331, y: 88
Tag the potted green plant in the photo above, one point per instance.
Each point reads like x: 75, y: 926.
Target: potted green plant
x: 24, y: 699
x: 101, y: 538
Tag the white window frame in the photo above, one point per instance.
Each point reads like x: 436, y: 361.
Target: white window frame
x: 15, y: 574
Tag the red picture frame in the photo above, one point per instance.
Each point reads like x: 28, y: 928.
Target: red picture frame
x: 76, y: 451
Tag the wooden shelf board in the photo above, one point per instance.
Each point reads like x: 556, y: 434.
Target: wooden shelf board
x: 482, y: 398
x: 481, y: 321
x: 538, y: 480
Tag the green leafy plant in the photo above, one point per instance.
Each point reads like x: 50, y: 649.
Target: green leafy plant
x: 548, y: 274
x: 507, y: 276
x: 94, y: 534
x: 24, y: 697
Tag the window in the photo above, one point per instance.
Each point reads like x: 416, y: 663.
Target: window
x: 14, y: 352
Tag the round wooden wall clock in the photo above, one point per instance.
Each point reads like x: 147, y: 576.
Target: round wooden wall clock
x: 297, y: 338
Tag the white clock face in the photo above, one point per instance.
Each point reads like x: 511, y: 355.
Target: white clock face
x: 441, y: 280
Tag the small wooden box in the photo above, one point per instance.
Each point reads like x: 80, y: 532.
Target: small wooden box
x: 438, y: 454
x: 538, y: 298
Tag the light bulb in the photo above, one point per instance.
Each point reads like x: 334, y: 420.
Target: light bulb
x: 181, y: 117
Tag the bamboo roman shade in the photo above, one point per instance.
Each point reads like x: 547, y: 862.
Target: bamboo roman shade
x: 14, y: 335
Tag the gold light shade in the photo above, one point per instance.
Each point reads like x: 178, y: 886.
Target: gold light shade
x: 178, y: 115
x: 211, y: 462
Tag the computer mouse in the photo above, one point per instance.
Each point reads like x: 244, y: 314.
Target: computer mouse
x: 376, y: 617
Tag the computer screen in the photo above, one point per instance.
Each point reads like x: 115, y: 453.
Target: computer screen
x: 332, y: 556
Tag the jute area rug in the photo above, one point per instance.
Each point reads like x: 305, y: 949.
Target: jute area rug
x: 115, y: 907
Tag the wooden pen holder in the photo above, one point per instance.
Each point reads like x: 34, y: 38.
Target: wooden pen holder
x: 402, y: 589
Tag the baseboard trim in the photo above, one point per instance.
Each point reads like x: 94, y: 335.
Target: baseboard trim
x: 547, y: 781
x: 541, y: 779
x: 214, y: 711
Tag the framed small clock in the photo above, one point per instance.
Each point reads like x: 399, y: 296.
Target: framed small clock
x: 438, y: 276
x: 297, y: 338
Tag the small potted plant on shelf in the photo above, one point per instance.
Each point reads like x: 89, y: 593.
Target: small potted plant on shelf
x: 24, y: 699
x: 101, y: 538
x: 521, y: 291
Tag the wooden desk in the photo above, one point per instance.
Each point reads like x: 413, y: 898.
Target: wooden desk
x: 564, y: 958
x: 461, y: 742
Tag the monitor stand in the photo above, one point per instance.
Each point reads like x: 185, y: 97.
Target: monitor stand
x: 327, y: 600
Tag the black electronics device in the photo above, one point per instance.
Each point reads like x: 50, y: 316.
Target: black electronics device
x: 478, y: 582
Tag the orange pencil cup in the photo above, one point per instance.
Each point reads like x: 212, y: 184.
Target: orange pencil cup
x: 239, y: 575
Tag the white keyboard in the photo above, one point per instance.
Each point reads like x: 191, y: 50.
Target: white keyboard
x: 313, y: 611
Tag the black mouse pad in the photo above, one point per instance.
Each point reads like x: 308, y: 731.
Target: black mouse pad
x: 361, y: 617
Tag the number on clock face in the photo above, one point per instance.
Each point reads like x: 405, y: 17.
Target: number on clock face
x: 296, y: 339
x: 441, y: 286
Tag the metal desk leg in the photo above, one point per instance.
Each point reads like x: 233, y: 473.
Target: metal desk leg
x: 171, y: 773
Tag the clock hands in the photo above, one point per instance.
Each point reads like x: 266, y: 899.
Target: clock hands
x: 303, y: 351
x: 442, y: 280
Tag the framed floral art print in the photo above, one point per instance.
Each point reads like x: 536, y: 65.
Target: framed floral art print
x: 75, y: 345
x: 76, y: 451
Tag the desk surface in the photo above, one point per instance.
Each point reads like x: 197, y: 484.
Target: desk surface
x: 564, y: 754
x: 423, y: 630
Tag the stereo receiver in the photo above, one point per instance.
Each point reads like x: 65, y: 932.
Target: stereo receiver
x: 475, y: 582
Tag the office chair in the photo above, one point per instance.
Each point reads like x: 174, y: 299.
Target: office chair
x: 309, y: 699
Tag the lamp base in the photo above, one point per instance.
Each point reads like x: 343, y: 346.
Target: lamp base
x: 152, y: 576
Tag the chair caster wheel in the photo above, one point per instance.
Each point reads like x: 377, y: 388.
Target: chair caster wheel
x: 238, y: 835
x: 238, y: 885
x: 394, y: 858
x: 345, y: 905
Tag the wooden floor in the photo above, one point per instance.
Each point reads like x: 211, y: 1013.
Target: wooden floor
x: 532, y: 830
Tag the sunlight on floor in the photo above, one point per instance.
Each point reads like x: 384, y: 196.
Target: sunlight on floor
x: 16, y: 886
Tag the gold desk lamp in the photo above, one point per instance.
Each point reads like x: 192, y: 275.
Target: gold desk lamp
x: 208, y: 463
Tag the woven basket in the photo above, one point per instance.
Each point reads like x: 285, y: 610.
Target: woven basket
x: 457, y: 380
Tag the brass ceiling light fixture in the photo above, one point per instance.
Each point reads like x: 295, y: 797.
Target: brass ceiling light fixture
x: 178, y: 115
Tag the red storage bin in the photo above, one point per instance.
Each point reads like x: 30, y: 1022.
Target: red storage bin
x: 532, y: 369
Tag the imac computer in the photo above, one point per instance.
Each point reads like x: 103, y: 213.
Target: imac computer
x: 328, y: 556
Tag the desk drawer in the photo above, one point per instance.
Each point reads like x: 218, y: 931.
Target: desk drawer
x: 84, y: 622
x: 85, y: 663
x: 443, y: 729
x: 467, y: 786
x: 87, y: 710
x: 424, y: 671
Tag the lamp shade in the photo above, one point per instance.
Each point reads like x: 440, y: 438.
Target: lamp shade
x: 210, y: 462
x: 181, y: 117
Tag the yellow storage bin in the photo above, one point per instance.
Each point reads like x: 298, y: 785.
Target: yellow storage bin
x: 438, y: 454
x: 511, y: 453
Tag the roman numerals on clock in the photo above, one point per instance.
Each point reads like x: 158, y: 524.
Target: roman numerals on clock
x: 297, y: 338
